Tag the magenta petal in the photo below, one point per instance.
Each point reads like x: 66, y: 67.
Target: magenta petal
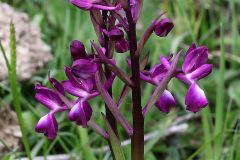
x: 190, y: 49
x: 195, y: 98
x: 48, y: 97
x: 77, y: 50
x: 86, y: 84
x: 195, y: 59
x: 81, y: 113
x: 57, y: 85
x: 165, y: 102
x: 48, y: 126
x: 84, y: 68
x: 201, y: 72
x: 74, y: 90
x: 163, y: 27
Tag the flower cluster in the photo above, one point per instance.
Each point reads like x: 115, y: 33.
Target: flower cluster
x: 86, y: 77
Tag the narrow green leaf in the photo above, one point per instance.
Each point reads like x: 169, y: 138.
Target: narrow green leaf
x: 12, y: 74
x: 115, y: 143
x: 219, y: 115
x: 84, y: 140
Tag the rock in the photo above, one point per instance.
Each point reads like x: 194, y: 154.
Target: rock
x: 10, y: 132
x: 32, y: 52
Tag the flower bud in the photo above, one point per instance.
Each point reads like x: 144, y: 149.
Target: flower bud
x: 77, y: 50
x: 163, y: 27
x: 121, y: 45
x: 115, y: 34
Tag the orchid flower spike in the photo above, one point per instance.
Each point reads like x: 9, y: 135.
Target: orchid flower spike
x: 93, y: 5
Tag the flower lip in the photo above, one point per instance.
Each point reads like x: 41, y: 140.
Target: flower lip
x: 195, y: 98
x: 81, y: 113
x: 48, y: 126
x: 165, y: 102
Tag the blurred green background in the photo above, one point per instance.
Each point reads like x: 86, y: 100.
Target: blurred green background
x: 211, y: 134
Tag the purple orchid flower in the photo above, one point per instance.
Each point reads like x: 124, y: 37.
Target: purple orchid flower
x: 93, y: 5
x: 117, y: 35
x: 154, y: 76
x: 194, y: 68
x: 48, y: 124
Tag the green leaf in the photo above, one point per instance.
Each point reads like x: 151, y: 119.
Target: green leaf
x: 115, y: 143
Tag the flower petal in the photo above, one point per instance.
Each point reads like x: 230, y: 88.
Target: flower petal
x: 165, y: 102
x: 136, y: 7
x: 86, y: 85
x: 194, y: 59
x: 57, y: 85
x: 201, y: 72
x: 48, y: 126
x: 48, y: 97
x: 195, y: 98
x: 74, y: 90
x: 81, y: 113
x: 84, y: 68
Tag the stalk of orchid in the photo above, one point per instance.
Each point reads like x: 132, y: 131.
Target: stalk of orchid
x: 115, y: 26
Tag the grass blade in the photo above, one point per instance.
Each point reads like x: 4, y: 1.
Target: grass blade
x: 12, y: 74
x: 220, y: 101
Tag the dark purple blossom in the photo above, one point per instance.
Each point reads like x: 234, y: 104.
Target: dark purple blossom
x: 115, y: 33
x: 121, y: 45
x: 93, y: 5
x: 77, y: 50
x: 84, y: 68
x: 154, y: 76
x: 163, y: 27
